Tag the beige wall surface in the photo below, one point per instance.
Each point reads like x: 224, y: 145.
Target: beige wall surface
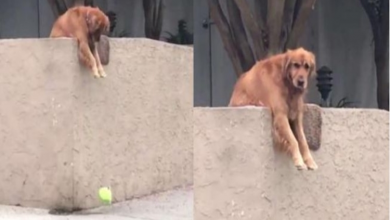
x: 64, y: 133
x: 238, y: 175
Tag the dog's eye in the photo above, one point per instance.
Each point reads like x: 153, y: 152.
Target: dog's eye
x: 296, y: 65
x: 306, y: 66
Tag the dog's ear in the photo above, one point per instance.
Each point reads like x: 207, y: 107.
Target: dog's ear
x: 94, y: 21
x: 91, y: 20
x: 286, y: 62
x: 313, y: 66
x: 106, y: 26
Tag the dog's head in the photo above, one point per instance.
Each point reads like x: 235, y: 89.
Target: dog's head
x: 97, y: 22
x: 299, y: 66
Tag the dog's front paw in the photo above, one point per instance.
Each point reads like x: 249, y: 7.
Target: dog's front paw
x: 95, y: 73
x: 102, y: 74
x: 311, y: 164
x: 299, y: 164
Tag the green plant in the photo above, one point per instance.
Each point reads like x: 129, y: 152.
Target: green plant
x: 342, y: 103
x: 154, y: 15
x: 183, y: 36
x: 113, y: 21
x: 112, y: 17
x: 119, y: 34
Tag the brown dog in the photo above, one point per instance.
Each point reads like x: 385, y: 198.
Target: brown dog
x: 280, y: 83
x: 86, y: 24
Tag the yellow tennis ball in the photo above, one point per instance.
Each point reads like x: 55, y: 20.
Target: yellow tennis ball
x: 105, y: 195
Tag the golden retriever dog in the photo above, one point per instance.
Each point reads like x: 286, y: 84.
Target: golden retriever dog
x: 280, y: 83
x: 86, y: 24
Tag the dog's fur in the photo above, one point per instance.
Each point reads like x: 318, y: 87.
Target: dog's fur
x: 280, y: 83
x: 86, y: 24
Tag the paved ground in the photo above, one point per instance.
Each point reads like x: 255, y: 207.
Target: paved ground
x: 171, y: 205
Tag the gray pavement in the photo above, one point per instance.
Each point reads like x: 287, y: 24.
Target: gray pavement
x: 171, y: 205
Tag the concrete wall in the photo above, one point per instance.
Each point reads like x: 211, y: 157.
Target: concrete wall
x: 237, y: 174
x: 339, y: 33
x: 34, y: 18
x: 64, y: 133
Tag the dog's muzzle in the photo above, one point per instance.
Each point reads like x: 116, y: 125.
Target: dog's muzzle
x: 301, y: 83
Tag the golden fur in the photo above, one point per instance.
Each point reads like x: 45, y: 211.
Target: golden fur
x: 86, y: 24
x: 280, y: 83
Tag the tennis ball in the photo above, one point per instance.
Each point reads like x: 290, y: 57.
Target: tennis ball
x: 105, y: 195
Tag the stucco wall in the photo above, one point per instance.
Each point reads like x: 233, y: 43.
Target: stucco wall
x: 64, y: 133
x: 237, y: 174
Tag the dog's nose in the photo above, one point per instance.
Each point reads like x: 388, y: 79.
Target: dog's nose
x: 301, y: 82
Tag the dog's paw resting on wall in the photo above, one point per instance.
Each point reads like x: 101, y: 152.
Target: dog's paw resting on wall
x: 86, y: 24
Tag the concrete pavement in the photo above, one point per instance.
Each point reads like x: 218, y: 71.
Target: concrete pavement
x: 171, y: 205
